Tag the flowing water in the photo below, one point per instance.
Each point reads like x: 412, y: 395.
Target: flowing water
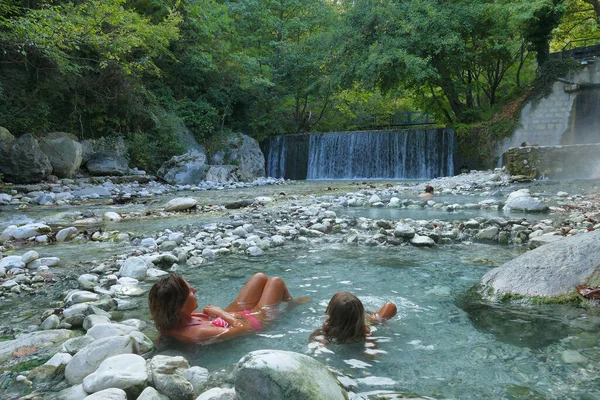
x: 390, y: 154
x: 444, y: 343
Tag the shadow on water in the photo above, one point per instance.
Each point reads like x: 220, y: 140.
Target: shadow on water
x: 523, y: 325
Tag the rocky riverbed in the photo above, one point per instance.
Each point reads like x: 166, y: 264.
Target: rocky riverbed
x: 70, y: 348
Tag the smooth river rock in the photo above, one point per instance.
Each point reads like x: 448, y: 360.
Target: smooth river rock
x: 548, y: 271
x: 285, y: 375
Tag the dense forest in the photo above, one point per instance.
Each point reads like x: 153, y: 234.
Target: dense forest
x: 142, y: 69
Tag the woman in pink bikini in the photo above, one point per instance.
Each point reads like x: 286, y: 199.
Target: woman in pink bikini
x: 172, y: 303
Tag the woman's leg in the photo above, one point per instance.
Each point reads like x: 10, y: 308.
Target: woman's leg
x: 275, y: 291
x: 250, y: 294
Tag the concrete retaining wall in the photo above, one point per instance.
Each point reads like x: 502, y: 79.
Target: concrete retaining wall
x: 554, y: 162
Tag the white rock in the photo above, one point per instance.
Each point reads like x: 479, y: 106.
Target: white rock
x: 149, y: 243
x: 151, y: 394
x: 112, y: 216
x: 100, y: 331
x: 51, y: 322
x: 218, y: 394
x: 374, y: 199
x: 422, y: 241
x: 59, y: 359
x: 254, y: 251
x: 65, y: 234
x: 87, y: 281
x: 89, y: 358
x: 263, y: 200
x: 573, y: 357
x: 9, y: 262
x: 180, y: 204
x: 30, y: 256
x: 93, y: 319
x: 81, y: 296
x: 134, y: 267
x: 108, y: 394
x: 121, y: 371
x: 197, y: 376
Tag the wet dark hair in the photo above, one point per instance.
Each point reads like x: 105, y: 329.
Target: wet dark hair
x: 345, y: 319
x: 165, y: 300
x: 428, y: 189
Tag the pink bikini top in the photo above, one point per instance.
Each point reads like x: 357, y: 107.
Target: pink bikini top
x: 220, y: 322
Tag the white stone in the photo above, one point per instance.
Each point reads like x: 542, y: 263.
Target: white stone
x: 81, y: 296
x: 149, y: 243
x: 573, y: 357
x: 44, y: 261
x: 108, y: 394
x: 65, y: 234
x: 51, y: 322
x: 263, y: 200
x: 180, y: 204
x: 134, y: 267
x: 422, y: 241
x: 254, y: 251
x: 59, y: 359
x: 89, y: 358
x: 100, y: 331
x: 197, y: 376
x: 121, y: 371
x: 112, y: 216
x: 218, y: 394
x: 93, y: 319
x: 30, y: 256
x: 151, y: 394
x: 9, y: 262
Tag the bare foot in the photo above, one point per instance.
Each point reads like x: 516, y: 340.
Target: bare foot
x: 293, y: 303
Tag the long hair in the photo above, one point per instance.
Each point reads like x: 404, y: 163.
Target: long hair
x: 165, y: 300
x: 345, y: 319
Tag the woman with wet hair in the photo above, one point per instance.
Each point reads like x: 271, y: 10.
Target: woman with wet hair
x: 347, y: 321
x: 172, y: 302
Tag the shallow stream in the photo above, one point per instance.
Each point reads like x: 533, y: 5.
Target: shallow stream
x: 444, y: 342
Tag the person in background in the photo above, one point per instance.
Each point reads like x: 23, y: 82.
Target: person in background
x: 427, y: 194
x: 347, y: 321
x: 172, y: 302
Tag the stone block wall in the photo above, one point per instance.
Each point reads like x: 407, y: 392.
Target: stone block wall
x: 554, y: 162
x: 546, y: 122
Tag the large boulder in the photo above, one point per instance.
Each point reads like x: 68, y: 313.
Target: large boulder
x: 548, y: 271
x: 87, y: 149
x: 64, y: 152
x: 222, y: 173
x: 285, y: 375
x: 36, y: 343
x: 244, y: 151
x: 187, y: 169
x: 105, y: 163
x: 521, y: 200
x: 22, y: 160
x: 6, y: 138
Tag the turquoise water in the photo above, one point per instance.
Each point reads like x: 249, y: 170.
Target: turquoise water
x: 441, y: 344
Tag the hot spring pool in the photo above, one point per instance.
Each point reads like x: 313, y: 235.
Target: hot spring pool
x: 442, y: 343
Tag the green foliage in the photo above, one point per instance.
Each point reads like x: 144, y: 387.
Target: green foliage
x: 141, y: 68
x: 549, y: 73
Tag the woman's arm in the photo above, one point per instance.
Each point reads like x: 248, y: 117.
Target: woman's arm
x: 318, y: 336
x: 207, y: 333
x: 215, y: 311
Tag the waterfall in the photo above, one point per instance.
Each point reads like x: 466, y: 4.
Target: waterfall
x: 587, y: 117
x: 276, y: 157
x: 403, y: 154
